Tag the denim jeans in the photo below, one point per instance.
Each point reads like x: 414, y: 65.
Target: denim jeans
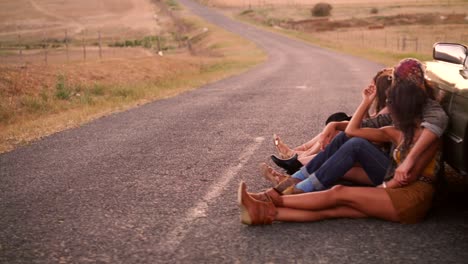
x: 338, y: 157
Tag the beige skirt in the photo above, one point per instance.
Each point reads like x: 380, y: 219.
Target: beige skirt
x: 412, y: 202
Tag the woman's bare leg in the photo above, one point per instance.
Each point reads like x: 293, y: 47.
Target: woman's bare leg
x: 370, y: 201
x: 305, y: 159
x: 307, y: 156
x: 299, y: 215
x: 311, y: 149
x: 306, y: 146
x: 358, y: 175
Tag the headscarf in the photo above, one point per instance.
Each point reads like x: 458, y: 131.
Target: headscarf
x: 410, y: 70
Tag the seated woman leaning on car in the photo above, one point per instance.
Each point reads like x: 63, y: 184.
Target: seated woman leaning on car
x: 405, y: 204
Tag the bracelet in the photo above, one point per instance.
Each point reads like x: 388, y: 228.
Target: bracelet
x: 384, y: 184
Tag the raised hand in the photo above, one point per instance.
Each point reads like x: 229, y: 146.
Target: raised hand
x: 369, y: 93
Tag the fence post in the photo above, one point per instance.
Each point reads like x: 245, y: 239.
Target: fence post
x: 20, y: 47
x: 44, y: 43
x: 100, y: 44
x: 84, y: 45
x: 403, y: 44
x: 385, y: 43
x: 190, y: 48
x: 113, y: 47
x: 66, y: 45
x: 158, y: 39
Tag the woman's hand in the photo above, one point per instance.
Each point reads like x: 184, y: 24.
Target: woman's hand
x: 369, y: 93
x: 327, y: 135
x: 390, y: 184
x: 402, y: 172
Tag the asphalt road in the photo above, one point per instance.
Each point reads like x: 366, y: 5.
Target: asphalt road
x: 157, y: 184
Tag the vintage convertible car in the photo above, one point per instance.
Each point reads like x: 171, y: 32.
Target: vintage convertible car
x: 448, y: 72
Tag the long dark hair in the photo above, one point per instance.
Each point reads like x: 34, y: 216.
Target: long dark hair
x: 430, y: 90
x: 383, y: 81
x: 405, y: 102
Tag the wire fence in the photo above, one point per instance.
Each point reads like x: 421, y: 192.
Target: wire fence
x: 53, y: 48
x: 47, y: 50
x: 61, y: 45
x: 410, y: 39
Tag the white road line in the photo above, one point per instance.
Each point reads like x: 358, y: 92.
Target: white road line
x: 183, y: 226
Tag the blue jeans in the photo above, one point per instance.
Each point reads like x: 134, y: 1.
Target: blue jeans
x: 340, y: 156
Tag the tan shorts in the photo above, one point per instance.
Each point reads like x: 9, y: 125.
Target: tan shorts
x: 412, y: 202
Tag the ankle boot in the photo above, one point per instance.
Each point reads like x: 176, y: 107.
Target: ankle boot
x: 270, y: 195
x: 291, y: 165
x: 271, y: 175
x: 254, y: 212
x: 282, y: 186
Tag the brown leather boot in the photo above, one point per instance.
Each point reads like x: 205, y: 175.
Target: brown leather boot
x: 271, y: 175
x: 254, y: 212
x: 270, y: 195
x: 282, y: 186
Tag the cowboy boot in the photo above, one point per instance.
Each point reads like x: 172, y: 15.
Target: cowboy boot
x: 254, y: 212
x: 285, y: 184
x: 291, y: 165
x: 271, y: 175
x: 270, y: 195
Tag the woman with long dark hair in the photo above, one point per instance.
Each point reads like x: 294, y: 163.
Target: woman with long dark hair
x: 406, y: 204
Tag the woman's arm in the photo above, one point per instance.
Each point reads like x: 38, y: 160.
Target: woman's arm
x: 417, y: 159
x: 434, y: 123
x: 330, y: 131
x: 418, y: 167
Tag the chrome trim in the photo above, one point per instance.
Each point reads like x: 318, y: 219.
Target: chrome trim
x: 454, y: 138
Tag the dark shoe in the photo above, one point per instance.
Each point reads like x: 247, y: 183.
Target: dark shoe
x: 271, y: 175
x: 254, y: 212
x: 282, y: 186
x: 270, y: 195
x: 290, y: 165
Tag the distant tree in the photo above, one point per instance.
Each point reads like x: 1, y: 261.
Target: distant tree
x: 374, y: 10
x: 321, y: 9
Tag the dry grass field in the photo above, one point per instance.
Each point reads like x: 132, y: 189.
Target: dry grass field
x: 56, y: 31
x: 39, y: 97
x: 31, y: 18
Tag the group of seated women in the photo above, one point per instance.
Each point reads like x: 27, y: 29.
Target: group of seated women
x: 391, y: 153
